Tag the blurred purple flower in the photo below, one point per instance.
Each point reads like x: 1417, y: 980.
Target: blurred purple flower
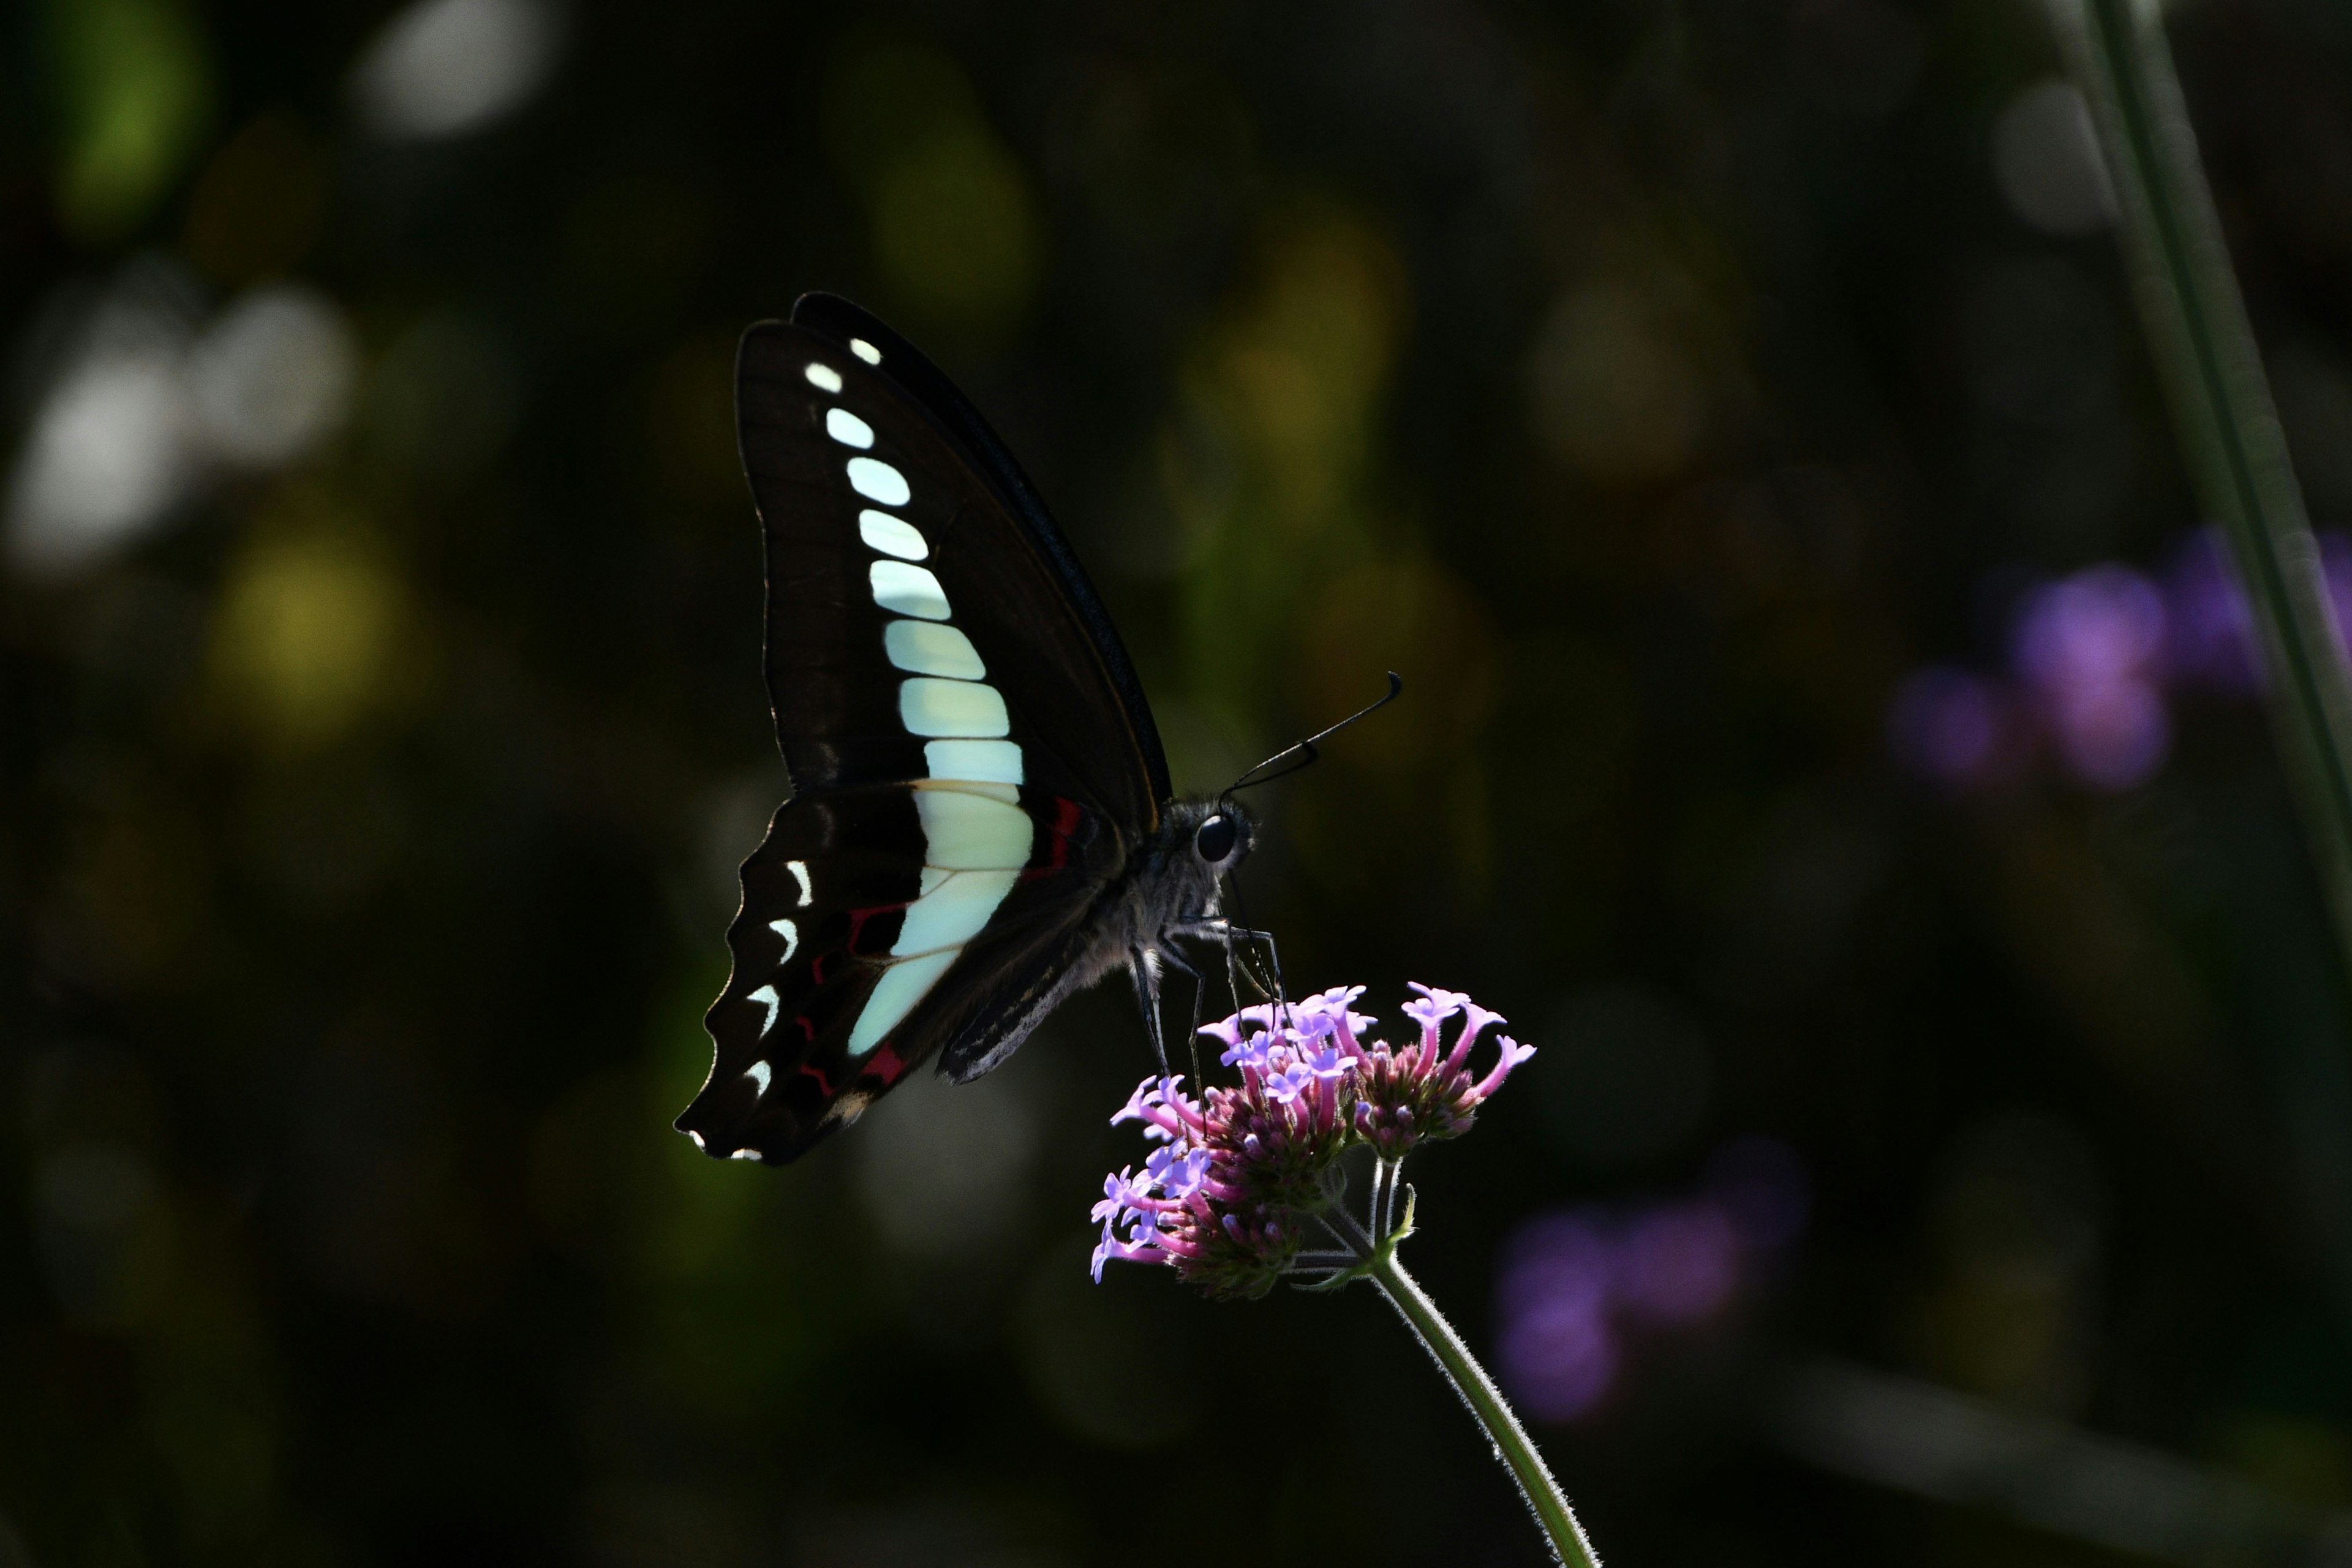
x: 1679, y: 1264
x: 2211, y: 640
x: 1571, y: 1283
x: 2336, y: 565
x: 2090, y: 649
x: 1558, y: 1351
x: 1955, y: 728
x: 2091, y: 658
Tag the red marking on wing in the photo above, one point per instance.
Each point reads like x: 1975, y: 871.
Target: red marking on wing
x: 809, y: 1069
x: 807, y: 1028
x: 884, y: 1065
x: 857, y: 918
x: 1065, y: 822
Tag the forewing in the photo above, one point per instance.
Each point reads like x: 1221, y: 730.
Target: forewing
x: 886, y: 500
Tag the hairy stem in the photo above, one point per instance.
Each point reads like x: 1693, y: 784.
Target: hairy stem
x: 1512, y: 1445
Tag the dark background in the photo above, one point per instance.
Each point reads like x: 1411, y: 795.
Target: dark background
x: 1656, y: 385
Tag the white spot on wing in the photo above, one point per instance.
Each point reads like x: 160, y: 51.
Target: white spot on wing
x: 799, y: 868
x: 892, y: 535
x: 973, y: 762
x: 744, y: 1154
x: 878, y: 481
x: 902, y: 985
x: 766, y: 996
x: 760, y: 1073
x: 866, y: 350
x: 929, y: 647
x: 690, y: 1132
x: 822, y: 376
x: 952, y: 912
x: 847, y: 428
x: 791, y: 933
x: 965, y: 832
x: 960, y: 707
x: 904, y: 590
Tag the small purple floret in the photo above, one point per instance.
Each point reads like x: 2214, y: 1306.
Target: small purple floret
x: 1230, y: 1192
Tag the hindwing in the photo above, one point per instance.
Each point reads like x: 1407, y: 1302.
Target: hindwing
x: 858, y: 959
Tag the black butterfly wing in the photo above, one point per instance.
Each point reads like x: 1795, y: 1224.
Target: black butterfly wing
x: 1012, y: 583
x: 973, y: 764
x: 828, y: 901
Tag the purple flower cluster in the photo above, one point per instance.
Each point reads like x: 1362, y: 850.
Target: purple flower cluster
x: 1426, y: 1091
x: 1240, y: 1171
x: 1575, y: 1285
x: 2091, y: 661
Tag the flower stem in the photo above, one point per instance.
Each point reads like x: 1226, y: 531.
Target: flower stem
x: 1512, y: 1445
x: 2204, y: 347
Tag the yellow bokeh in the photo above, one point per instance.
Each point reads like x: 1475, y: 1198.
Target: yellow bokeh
x: 310, y: 639
x: 1401, y: 614
x: 1618, y: 394
x: 1268, y: 463
x: 955, y: 228
x: 1298, y: 375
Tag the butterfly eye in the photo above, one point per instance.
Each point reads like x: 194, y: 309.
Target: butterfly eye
x: 1216, y: 839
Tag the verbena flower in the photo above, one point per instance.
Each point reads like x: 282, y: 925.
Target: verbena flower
x: 1243, y: 1172
x: 1243, y: 1186
x: 1426, y: 1091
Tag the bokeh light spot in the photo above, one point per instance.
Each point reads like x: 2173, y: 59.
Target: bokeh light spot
x: 1615, y: 393
x: 446, y: 68
x: 274, y: 376
x: 136, y: 89
x: 953, y: 230
x: 307, y: 635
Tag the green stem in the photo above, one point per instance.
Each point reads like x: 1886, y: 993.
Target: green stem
x: 1512, y: 1445
x: 2204, y: 347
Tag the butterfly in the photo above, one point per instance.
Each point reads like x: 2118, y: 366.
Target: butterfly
x: 980, y: 821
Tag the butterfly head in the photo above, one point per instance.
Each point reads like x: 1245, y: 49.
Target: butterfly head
x: 1223, y: 837
x: 1209, y: 836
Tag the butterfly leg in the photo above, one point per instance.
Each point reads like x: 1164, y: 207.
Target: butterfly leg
x: 1192, y: 1036
x: 1231, y: 935
x: 1272, y: 955
x: 1143, y: 967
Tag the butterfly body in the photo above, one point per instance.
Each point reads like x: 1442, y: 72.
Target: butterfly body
x: 980, y: 822
x: 1168, y: 890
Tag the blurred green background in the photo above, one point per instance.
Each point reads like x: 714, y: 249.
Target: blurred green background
x: 1657, y: 385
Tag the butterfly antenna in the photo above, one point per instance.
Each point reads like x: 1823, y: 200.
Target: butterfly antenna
x: 1305, y: 751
